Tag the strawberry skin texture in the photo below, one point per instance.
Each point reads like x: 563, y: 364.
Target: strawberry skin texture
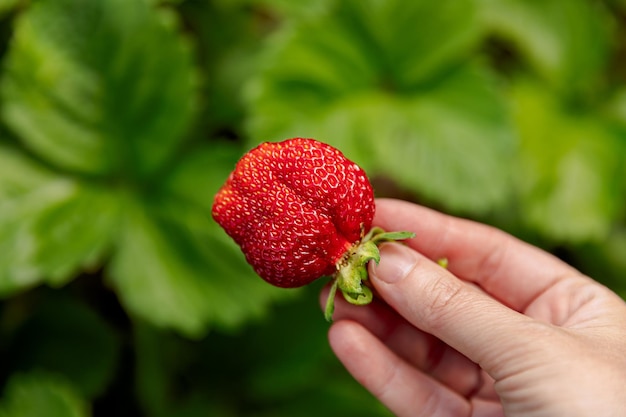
x: 295, y: 208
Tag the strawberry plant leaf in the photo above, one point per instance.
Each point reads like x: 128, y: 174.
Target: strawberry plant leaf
x: 204, y: 168
x: 162, y: 2
x: 19, y: 173
x: 76, y: 233
x: 51, y: 232
x: 96, y: 93
x: 292, y: 9
x: 361, y: 45
x: 568, y: 42
x: 615, y: 108
x: 54, y: 225
x: 176, y: 268
x: 386, y: 95
x: 462, y: 164
x: 102, y: 93
x: 39, y: 394
x: 18, y: 269
x: 571, y: 168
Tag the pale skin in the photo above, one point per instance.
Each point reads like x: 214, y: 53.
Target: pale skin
x: 506, y: 330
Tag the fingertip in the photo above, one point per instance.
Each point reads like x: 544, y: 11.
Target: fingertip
x: 338, y: 331
x: 348, y: 340
x: 397, y: 261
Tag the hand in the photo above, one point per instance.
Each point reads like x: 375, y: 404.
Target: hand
x: 507, y: 329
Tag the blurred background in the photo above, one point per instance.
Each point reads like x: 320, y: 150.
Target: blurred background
x: 120, y: 119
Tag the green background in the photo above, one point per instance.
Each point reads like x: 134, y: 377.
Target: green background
x: 120, y: 119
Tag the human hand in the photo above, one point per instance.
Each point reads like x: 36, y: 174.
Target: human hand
x: 507, y: 329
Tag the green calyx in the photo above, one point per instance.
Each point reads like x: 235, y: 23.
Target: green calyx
x: 352, y: 273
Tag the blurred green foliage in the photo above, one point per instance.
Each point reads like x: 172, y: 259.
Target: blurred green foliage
x: 120, y: 119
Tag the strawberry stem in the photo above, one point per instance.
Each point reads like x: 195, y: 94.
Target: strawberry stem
x: 353, y: 271
x: 330, y: 304
x: 392, y: 236
x: 352, y: 268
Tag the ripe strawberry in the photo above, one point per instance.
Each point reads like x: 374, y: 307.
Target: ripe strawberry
x: 299, y: 210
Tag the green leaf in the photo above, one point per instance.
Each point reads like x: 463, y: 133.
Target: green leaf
x: 37, y: 395
x: 199, y: 272
x: 567, y: 41
x: 175, y: 268
x: 65, y: 337
x: 201, y: 173
x: 287, y: 8
x: 163, y: 2
x: 18, y: 245
x: 76, y: 233
x: 357, y: 45
x: 98, y: 87
x: 615, y: 108
x: 453, y: 144
x: 369, y: 79
x: 571, y: 169
x: 19, y: 173
x: 52, y: 231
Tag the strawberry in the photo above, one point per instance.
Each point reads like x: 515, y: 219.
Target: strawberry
x: 299, y: 210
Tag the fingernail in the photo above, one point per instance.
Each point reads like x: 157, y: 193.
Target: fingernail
x: 396, y: 261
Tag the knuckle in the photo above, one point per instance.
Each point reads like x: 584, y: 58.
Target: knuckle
x: 447, y: 299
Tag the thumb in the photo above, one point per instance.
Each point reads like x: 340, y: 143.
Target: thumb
x: 437, y: 302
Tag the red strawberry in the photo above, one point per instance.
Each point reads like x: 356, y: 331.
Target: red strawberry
x: 299, y: 210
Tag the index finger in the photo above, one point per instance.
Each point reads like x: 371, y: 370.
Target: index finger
x: 510, y: 270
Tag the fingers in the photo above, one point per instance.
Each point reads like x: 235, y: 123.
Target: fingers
x: 510, y: 270
x: 421, y: 350
x: 435, y: 301
x: 401, y: 387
